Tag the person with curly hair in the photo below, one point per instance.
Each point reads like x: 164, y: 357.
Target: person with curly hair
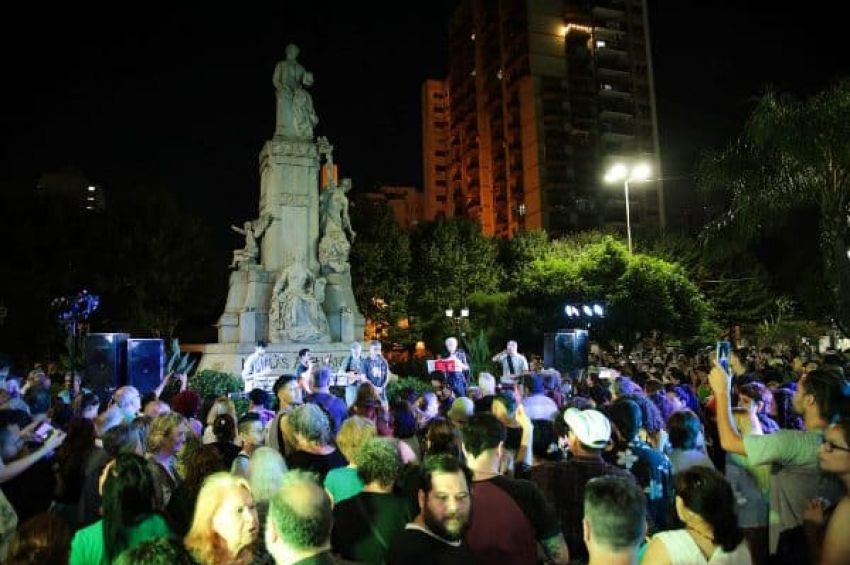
x: 314, y: 448
x: 366, y: 524
x: 344, y: 482
x: 167, y: 437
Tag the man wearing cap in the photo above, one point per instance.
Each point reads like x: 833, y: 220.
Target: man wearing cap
x: 589, y: 432
x: 513, y: 363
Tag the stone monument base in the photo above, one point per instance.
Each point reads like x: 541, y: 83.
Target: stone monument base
x: 283, y: 358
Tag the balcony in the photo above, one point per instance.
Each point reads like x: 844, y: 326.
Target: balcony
x: 611, y: 91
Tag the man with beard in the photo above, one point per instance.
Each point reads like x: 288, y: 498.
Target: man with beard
x: 435, y: 537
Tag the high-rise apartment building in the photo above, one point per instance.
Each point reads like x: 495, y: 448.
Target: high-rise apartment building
x: 542, y: 96
x: 435, y: 147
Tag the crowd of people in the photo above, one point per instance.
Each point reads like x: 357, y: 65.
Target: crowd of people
x: 653, y: 457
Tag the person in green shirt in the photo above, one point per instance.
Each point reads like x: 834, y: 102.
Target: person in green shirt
x: 129, y: 514
x: 344, y: 482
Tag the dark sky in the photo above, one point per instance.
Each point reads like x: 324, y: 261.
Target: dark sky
x: 183, y: 98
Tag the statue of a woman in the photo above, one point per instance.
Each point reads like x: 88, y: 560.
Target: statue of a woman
x: 295, y: 114
x: 337, y: 234
x: 296, y: 312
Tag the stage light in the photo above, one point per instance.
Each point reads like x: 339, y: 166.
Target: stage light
x: 587, y: 311
x: 598, y: 310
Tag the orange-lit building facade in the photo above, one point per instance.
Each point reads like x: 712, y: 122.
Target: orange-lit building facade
x: 406, y: 202
x: 541, y: 97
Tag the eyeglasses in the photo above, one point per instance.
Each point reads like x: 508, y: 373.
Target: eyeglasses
x: 829, y: 447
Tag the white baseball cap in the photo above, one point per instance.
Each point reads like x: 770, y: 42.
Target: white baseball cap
x: 591, y: 427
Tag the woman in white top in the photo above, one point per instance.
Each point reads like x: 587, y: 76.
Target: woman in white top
x: 706, y: 505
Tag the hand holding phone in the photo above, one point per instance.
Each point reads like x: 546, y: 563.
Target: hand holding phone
x: 723, y: 355
x: 43, y: 431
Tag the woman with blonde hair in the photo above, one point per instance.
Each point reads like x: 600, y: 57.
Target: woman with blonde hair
x: 344, y: 482
x: 165, y: 440
x: 222, y: 405
x: 225, y: 526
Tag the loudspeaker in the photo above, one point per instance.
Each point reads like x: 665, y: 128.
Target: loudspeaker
x: 106, y: 363
x: 145, y: 363
x: 566, y: 351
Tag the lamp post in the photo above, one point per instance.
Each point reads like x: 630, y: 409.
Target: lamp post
x: 638, y: 172
x: 464, y: 314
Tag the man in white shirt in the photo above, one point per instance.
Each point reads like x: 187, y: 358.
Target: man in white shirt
x: 256, y: 365
x: 513, y: 363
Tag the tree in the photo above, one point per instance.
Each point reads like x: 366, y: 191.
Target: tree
x: 734, y: 283
x: 380, y: 263
x: 643, y: 294
x: 791, y: 153
x: 157, y: 268
x: 453, y: 261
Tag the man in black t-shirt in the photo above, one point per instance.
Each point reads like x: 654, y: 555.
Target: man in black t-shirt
x: 435, y: 537
x: 514, y: 508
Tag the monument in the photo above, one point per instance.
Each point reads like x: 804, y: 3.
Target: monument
x: 291, y: 282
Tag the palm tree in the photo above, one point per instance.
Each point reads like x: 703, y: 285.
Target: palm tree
x: 791, y: 153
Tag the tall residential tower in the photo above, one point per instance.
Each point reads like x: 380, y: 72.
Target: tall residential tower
x: 541, y: 97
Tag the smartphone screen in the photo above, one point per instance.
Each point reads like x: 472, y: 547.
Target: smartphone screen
x: 724, y: 350
x: 43, y: 431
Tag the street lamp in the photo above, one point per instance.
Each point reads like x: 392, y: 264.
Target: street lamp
x: 638, y: 172
x: 464, y: 313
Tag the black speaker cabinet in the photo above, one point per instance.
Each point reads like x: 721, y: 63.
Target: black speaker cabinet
x: 566, y: 351
x: 145, y: 363
x: 106, y: 363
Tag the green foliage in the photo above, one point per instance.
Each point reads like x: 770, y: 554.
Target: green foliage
x: 644, y: 294
x: 454, y: 260
x: 380, y: 263
x: 734, y: 284
x: 495, y: 314
x: 212, y: 384
x: 788, y: 332
x: 516, y: 252
x: 419, y: 386
x: 791, y: 154
x: 479, y: 355
x: 156, y: 268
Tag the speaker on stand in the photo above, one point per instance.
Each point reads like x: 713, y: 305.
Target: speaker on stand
x: 145, y: 363
x: 106, y: 363
x: 566, y: 351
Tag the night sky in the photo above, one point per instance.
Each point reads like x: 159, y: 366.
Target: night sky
x: 184, y: 99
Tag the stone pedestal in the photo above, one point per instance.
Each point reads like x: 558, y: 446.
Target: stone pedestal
x: 245, y: 317
x: 283, y: 357
x: 289, y: 181
x: 341, y: 308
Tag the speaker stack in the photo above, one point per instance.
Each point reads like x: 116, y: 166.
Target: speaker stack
x: 114, y: 360
x: 145, y: 363
x: 566, y: 351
